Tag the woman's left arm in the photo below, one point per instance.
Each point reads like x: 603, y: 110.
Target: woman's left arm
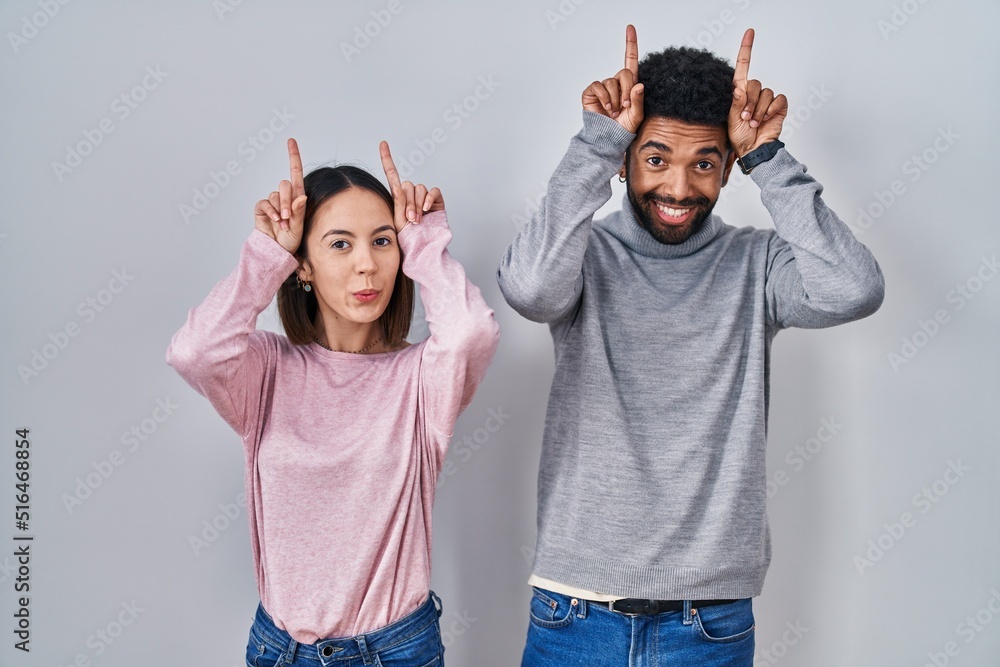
x: 463, y: 332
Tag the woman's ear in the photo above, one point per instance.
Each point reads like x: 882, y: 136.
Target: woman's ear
x: 304, y: 271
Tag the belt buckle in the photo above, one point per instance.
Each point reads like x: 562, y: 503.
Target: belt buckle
x: 611, y: 606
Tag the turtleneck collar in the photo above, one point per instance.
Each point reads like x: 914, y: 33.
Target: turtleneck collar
x: 626, y: 228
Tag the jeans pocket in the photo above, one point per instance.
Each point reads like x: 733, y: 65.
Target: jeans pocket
x: 725, y: 623
x: 260, y: 653
x: 423, y: 649
x: 551, y: 610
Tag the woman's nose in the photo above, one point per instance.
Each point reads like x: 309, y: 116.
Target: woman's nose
x: 365, y: 262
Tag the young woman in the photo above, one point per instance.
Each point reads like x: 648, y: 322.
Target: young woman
x: 344, y: 424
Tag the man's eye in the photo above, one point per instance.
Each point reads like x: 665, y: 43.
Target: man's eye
x: 339, y: 245
x: 705, y: 164
x: 655, y: 161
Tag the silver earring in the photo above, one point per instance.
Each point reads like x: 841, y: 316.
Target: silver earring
x: 620, y: 179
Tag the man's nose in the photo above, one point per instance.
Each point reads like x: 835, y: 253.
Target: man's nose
x: 678, y: 185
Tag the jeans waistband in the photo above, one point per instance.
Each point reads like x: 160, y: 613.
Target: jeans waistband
x: 331, y: 651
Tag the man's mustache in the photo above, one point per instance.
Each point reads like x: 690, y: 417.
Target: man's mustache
x: 670, y: 201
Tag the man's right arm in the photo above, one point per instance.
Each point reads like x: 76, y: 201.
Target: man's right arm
x: 541, y: 274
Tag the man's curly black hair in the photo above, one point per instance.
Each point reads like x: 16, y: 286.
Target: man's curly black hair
x: 687, y: 84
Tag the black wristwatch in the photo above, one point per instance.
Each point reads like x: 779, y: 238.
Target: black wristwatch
x: 763, y: 153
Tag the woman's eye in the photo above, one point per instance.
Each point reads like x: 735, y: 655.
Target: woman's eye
x: 383, y: 238
x: 339, y: 245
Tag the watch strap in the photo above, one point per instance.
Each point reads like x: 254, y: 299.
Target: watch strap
x: 759, y: 155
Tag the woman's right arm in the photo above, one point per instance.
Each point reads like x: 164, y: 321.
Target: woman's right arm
x: 218, y: 350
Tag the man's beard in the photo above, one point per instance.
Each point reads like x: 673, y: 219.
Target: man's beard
x: 662, y: 232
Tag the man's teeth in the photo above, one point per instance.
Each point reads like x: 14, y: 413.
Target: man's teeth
x: 673, y: 212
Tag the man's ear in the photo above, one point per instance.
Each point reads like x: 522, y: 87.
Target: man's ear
x: 730, y: 161
x: 623, y: 173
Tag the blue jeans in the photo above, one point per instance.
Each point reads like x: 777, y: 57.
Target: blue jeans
x: 412, y: 641
x: 568, y: 631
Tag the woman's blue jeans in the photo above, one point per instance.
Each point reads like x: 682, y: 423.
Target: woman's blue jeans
x: 570, y: 632
x: 412, y: 641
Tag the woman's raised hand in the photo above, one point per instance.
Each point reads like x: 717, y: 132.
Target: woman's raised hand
x: 280, y: 216
x: 410, y: 201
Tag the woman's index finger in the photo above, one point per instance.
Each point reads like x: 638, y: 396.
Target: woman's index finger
x: 389, y: 167
x: 743, y: 59
x: 631, y: 50
x: 295, y: 167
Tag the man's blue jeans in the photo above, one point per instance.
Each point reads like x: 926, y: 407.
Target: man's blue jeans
x: 568, y: 631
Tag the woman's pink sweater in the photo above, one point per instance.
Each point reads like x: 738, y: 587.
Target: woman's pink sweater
x: 342, y: 450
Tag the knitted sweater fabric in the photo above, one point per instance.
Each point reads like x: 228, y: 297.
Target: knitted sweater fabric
x: 652, y: 479
x: 342, y: 451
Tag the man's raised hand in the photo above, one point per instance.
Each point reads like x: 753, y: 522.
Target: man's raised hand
x: 756, y: 115
x: 410, y: 201
x: 280, y: 216
x: 620, y: 97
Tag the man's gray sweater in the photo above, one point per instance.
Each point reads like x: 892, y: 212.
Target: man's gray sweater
x: 652, y: 476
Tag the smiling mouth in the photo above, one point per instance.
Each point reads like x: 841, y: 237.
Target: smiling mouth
x: 673, y: 216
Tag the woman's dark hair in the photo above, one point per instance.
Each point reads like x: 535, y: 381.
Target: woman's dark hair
x: 296, y: 307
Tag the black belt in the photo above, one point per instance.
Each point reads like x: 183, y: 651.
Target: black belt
x: 638, y: 606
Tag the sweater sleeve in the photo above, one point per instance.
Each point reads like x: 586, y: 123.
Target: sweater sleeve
x: 463, y: 332
x: 218, y: 350
x: 818, y: 273
x: 541, y: 274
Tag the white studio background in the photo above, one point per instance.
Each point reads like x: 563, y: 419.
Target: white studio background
x: 890, y: 103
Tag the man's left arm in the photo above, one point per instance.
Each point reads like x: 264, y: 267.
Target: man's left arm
x: 818, y: 274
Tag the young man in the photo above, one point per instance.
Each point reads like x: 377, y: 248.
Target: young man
x: 652, y: 530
